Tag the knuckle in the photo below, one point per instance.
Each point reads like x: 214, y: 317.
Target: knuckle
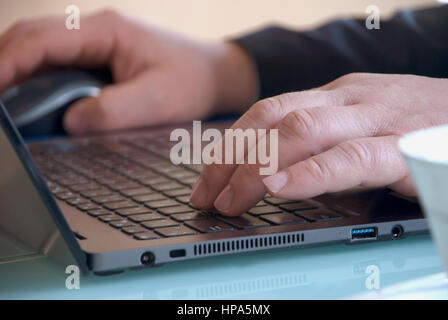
x: 263, y: 109
x: 29, y: 28
x: 22, y: 23
x: 346, y: 95
x: 352, y: 76
x: 249, y: 171
x: 285, y: 102
x: 346, y: 78
x: 19, y: 26
x: 273, y: 106
x: 109, y: 14
x: 318, y: 169
x: 300, y: 123
x: 355, y: 152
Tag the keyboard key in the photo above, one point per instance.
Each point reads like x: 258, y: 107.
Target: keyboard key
x: 133, y: 210
x: 167, y: 186
x: 110, y: 217
x: 297, y: 206
x: 73, y: 181
x: 188, y: 180
x: 273, y: 200
x: 161, y: 204
x: 58, y: 177
x: 178, y: 192
x: 283, y: 218
x: 57, y: 189
x: 149, y: 197
x: 244, y: 222
x: 120, y: 205
x: 165, y: 169
x: 184, y: 199
x: 264, y: 210
x: 99, y: 212
x: 140, y: 174
x: 97, y: 193
x: 146, y: 217
x: 182, y: 173
x: 136, y: 191
x: 177, y: 209
x: 88, y: 206
x: 163, y: 223
x: 319, y: 215
x: 112, y: 180
x: 209, y: 225
x: 175, y: 231
x: 146, y: 236
x: 134, y: 229
x: 77, y: 201
x: 193, y: 215
x: 108, y: 198
x: 85, y: 186
x: 153, y: 180
x: 123, y: 186
x: 122, y: 223
x: 66, y: 195
x: 195, y: 167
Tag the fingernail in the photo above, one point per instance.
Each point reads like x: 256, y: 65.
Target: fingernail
x: 199, y: 194
x: 276, y: 182
x: 224, y: 200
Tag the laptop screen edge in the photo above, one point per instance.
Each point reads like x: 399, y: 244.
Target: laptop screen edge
x: 41, y: 187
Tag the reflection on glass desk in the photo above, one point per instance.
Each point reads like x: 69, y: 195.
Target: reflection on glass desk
x: 331, y: 272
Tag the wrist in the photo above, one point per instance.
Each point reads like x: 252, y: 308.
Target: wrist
x: 236, y: 78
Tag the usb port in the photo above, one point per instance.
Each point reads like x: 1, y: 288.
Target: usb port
x: 178, y: 253
x: 370, y: 233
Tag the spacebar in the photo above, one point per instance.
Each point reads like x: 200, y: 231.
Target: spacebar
x: 208, y: 225
x: 244, y: 222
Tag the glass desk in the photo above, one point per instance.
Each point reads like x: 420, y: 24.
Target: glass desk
x: 331, y: 272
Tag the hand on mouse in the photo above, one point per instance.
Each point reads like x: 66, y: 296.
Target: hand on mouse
x: 332, y: 138
x: 159, y: 77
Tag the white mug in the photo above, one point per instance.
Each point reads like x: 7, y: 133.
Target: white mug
x: 426, y: 154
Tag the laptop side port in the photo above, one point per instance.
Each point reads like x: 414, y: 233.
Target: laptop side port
x: 369, y: 233
x: 179, y: 253
x: 397, y: 231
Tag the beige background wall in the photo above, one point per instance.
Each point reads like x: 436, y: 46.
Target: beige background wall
x: 211, y: 19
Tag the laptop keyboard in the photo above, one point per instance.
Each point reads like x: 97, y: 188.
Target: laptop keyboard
x: 131, y: 185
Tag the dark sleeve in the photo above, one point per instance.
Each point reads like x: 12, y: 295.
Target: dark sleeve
x: 411, y: 42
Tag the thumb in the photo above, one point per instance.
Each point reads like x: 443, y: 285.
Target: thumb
x: 368, y: 162
x: 123, y: 105
x: 81, y: 117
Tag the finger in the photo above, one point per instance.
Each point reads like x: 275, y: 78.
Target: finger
x: 138, y: 102
x: 301, y: 134
x: 264, y: 114
x: 52, y: 44
x: 370, y: 162
x: 13, y: 32
x: 405, y: 186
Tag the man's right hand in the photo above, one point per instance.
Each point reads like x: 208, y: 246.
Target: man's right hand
x: 159, y: 77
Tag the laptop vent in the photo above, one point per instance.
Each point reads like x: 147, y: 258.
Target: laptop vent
x: 247, y: 286
x: 252, y: 243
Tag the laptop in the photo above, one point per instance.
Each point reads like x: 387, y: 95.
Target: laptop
x: 111, y: 202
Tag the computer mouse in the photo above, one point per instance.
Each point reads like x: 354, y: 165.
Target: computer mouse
x: 37, y: 105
